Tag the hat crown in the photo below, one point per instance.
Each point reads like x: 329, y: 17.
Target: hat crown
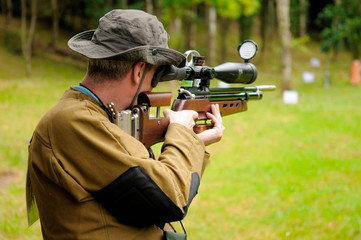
x: 120, y: 30
x: 128, y: 35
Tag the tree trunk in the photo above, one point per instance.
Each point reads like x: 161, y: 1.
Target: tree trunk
x: 225, y: 23
x: 272, y: 22
x: 9, y: 15
x: 335, y: 26
x: 189, y: 28
x: 149, y: 6
x: 264, y: 24
x: 212, y: 30
x: 157, y: 9
x: 246, y: 26
x: 175, y: 28
x: 54, y: 6
x: 23, y: 33
x: 111, y: 3
x: 124, y: 4
x: 326, y: 82
x: 28, y: 37
x: 267, y: 25
x: 194, y: 29
x: 303, y: 18
x: 3, y: 11
x: 283, y: 15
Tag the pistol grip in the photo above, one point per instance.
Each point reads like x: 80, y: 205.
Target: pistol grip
x: 198, y: 128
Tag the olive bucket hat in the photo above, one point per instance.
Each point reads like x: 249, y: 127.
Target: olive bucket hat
x: 128, y: 35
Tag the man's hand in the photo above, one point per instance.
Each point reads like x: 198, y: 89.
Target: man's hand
x: 215, y: 134
x: 188, y: 118
x: 185, y: 117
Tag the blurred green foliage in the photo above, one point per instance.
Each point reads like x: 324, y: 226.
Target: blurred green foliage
x: 343, y: 26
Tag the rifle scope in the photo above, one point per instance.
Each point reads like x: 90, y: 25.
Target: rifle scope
x: 229, y: 72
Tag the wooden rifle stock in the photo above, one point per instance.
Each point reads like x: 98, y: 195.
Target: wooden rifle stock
x: 202, y: 106
x: 152, y: 129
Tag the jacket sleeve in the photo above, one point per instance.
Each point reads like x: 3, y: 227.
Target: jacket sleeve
x: 92, y: 152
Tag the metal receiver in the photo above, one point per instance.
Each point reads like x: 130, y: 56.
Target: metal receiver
x: 127, y: 120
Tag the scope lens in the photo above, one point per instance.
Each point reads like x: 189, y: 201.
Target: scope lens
x: 247, y: 50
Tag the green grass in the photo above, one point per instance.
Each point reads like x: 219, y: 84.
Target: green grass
x: 280, y: 172
x: 285, y: 171
x: 22, y: 103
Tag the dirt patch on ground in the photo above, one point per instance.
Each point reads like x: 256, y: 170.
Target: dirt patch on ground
x: 9, y: 176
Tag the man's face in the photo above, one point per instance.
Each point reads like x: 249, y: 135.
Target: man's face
x: 147, y: 84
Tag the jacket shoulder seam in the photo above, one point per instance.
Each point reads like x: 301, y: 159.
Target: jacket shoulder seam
x: 42, y: 140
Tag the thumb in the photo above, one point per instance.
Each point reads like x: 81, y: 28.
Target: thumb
x: 167, y: 112
x: 195, y: 115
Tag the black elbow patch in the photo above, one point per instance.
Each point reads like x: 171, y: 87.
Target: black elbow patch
x: 193, y: 191
x: 135, y: 199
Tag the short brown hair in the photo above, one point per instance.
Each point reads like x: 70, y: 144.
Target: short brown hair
x: 109, y: 68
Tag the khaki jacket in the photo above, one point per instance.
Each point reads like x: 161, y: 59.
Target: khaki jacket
x: 76, y: 150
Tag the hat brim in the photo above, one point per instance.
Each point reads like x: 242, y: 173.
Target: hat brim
x: 81, y: 43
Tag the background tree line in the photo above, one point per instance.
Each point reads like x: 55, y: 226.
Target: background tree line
x: 338, y: 21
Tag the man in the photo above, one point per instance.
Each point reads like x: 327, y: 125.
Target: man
x: 90, y: 179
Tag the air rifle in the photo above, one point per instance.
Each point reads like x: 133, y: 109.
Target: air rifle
x: 198, y: 97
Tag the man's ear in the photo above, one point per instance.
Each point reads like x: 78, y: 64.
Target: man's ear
x: 137, y: 72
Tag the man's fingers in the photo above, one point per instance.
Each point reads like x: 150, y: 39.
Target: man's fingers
x: 216, y: 113
x: 212, y: 117
x: 184, y: 117
x: 166, y: 112
x: 194, y: 115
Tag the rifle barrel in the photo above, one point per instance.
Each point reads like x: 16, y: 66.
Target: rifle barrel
x: 244, y: 89
x: 229, y: 96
